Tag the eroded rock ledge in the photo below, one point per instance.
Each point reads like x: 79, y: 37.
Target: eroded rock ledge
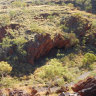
x: 78, y: 27
x: 44, y: 43
x: 86, y: 87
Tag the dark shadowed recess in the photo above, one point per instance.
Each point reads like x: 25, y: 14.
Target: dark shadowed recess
x: 21, y: 69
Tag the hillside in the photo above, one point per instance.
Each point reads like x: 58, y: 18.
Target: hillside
x: 45, y: 46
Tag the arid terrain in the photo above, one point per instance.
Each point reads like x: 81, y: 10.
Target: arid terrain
x: 47, y: 48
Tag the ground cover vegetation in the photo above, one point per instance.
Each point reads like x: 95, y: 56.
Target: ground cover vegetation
x: 27, y: 26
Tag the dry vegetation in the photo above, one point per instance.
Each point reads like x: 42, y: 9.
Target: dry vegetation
x: 42, y: 19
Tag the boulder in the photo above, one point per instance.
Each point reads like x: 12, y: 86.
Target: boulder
x: 86, y: 87
x: 62, y: 89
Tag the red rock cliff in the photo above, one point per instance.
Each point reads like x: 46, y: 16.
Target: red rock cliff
x: 86, y: 87
x: 43, y: 44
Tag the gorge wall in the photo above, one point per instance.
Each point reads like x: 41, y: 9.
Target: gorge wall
x: 43, y: 43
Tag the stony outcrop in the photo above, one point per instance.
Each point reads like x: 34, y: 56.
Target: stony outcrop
x: 18, y: 92
x: 43, y: 44
x: 45, y: 15
x: 86, y: 87
x: 62, y: 89
x: 77, y: 24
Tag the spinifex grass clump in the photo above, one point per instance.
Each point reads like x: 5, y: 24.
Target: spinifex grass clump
x: 4, y: 20
x: 5, y: 68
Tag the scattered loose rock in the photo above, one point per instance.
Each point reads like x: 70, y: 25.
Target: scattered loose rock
x: 17, y: 92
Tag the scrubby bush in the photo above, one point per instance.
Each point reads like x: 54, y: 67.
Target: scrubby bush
x: 94, y: 23
x: 55, y: 69
x: 12, y: 14
x: 71, y: 5
x: 74, y: 24
x: 4, y: 20
x: 50, y: 17
x: 20, y: 41
x: 88, y: 60
x: 84, y: 5
x: 8, y: 82
x: 18, y: 52
x: 18, y: 3
x: 5, y: 68
x: 5, y: 46
x: 6, y: 42
x: 88, y: 8
x: 59, y: 81
x: 64, y: 28
x: 73, y: 39
x: 36, y: 28
x: 38, y: 2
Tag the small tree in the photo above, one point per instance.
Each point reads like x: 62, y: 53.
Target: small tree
x: 88, y: 60
x: 5, y: 68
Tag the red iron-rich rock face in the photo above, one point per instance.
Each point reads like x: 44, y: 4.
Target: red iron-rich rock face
x: 86, y: 87
x: 43, y: 44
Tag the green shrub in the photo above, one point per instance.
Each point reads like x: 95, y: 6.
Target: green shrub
x: 18, y: 3
x: 73, y: 39
x: 94, y: 23
x: 50, y: 17
x: 55, y: 69
x: 63, y: 4
x: 20, y: 42
x: 5, y: 68
x: 64, y: 28
x: 84, y: 4
x: 19, y: 52
x: 93, y: 73
x: 37, y: 2
x: 6, y: 42
x: 8, y: 82
x: 36, y: 28
x: 88, y: 60
x: 12, y: 14
x: 59, y: 81
x: 71, y: 5
x: 4, y: 20
x: 88, y: 8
